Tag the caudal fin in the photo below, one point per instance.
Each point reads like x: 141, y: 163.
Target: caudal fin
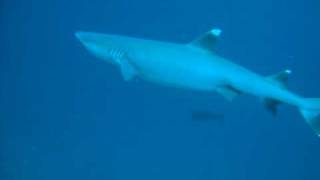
x: 311, y: 113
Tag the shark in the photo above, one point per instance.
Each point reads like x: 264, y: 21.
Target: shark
x: 196, y: 66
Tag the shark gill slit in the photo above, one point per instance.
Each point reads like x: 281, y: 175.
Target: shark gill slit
x: 116, y: 54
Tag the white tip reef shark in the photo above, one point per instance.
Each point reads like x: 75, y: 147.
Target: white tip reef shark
x: 196, y: 66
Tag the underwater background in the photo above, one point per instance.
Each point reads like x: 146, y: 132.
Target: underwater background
x: 66, y: 115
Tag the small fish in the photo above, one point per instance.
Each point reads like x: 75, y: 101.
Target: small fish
x: 203, y: 115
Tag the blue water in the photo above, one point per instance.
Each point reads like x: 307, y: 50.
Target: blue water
x: 66, y: 115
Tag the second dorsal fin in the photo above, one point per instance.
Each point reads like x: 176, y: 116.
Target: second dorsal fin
x: 281, y: 78
x: 208, y: 40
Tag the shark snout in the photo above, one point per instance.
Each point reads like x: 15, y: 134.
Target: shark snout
x: 84, y: 37
x: 97, y: 44
x: 87, y: 39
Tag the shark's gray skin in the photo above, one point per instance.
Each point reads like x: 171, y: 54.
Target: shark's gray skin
x: 196, y: 66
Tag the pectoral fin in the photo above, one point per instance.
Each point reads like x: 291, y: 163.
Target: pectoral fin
x: 128, y: 71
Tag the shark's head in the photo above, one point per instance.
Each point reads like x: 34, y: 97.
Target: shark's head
x: 103, y: 46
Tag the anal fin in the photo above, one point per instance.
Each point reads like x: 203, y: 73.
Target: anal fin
x: 271, y: 105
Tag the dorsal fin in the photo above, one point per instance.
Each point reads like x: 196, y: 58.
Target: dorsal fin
x: 208, y: 40
x: 281, y: 79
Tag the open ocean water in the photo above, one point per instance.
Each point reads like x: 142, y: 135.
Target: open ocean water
x: 66, y: 115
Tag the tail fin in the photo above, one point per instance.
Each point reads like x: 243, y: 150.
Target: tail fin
x: 311, y: 113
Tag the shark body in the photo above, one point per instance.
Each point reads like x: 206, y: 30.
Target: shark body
x: 196, y: 66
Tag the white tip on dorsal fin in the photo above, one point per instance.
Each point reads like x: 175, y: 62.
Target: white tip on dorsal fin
x: 208, y: 40
x: 281, y: 79
x: 216, y: 32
